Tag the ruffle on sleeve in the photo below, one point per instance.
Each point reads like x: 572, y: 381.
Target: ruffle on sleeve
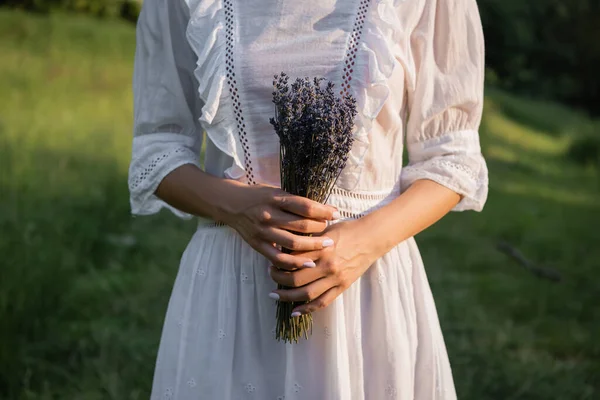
x: 453, y: 160
x: 374, y: 64
x: 206, y: 34
x: 154, y: 157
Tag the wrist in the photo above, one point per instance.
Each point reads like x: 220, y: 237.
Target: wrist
x: 377, y: 234
x: 224, y: 199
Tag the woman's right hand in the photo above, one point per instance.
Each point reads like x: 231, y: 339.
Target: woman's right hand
x: 267, y: 217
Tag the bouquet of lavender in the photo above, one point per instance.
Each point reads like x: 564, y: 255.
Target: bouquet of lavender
x: 315, y: 134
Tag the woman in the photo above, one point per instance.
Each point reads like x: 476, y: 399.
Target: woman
x: 415, y: 68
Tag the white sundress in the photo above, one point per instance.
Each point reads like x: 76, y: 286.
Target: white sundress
x: 416, y: 69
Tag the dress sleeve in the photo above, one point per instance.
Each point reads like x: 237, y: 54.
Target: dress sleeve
x: 166, y: 133
x: 445, y: 101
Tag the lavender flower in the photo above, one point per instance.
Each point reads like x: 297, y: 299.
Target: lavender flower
x: 315, y: 134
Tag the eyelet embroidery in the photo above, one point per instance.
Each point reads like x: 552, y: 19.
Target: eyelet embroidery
x: 350, y: 215
x: 191, y: 382
x: 354, y: 40
x: 391, y: 391
x: 250, y: 388
x: 213, y: 225
x: 168, y: 395
x: 221, y: 334
x: 443, y: 164
x: 297, y: 388
x: 145, y: 173
x: 380, y: 277
x: 375, y: 198
x: 232, y: 82
x: 336, y: 191
x: 327, y: 332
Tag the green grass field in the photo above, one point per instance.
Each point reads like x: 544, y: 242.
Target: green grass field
x: 84, y: 286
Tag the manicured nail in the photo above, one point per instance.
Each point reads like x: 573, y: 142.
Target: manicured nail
x: 295, y: 314
x: 327, y: 242
x: 309, y: 264
x: 337, y: 215
x: 274, y: 296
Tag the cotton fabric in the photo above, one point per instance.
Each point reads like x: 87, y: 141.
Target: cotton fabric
x: 416, y: 70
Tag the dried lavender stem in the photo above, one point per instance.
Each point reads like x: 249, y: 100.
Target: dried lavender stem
x: 315, y: 131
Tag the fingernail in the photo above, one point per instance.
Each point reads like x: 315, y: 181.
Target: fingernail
x: 309, y: 264
x: 337, y: 215
x: 295, y: 314
x: 274, y: 296
x: 327, y: 242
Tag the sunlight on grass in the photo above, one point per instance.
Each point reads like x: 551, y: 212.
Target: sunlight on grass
x: 519, y: 136
x: 64, y: 100
x: 549, y: 193
x: 548, y: 117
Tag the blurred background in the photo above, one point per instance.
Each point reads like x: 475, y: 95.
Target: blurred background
x: 84, y: 286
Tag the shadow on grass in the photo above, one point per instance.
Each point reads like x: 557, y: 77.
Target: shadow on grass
x: 510, y: 334
x: 84, y: 285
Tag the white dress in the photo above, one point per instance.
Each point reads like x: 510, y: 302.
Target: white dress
x: 416, y: 70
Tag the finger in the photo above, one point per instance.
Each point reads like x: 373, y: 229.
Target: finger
x: 271, y: 252
x: 305, y: 293
x: 306, y: 208
x: 296, y: 242
x: 296, y: 278
x: 313, y: 255
x: 319, y: 303
x: 296, y: 223
x: 289, y: 262
x: 282, y: 260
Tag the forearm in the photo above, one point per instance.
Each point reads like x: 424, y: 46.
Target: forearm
x: 193, y: 191
x: 419, y: 207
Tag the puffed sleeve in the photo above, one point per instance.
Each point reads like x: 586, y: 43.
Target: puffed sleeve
x: 166, y: 133
x: 445, y: 101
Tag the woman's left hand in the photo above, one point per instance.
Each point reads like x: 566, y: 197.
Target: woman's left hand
x: 337, y: 267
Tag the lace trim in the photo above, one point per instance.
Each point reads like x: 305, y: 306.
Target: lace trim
x: 232, y: 83
x: 343, y: 213
x: 353, y: 45
x: 445, y: 164
x: 376, y: 199
x: 351, y: 215
x: 141, y: 176
x: 336, y: 191
x: 205, y: 224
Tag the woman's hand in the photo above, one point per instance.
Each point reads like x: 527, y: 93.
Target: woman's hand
x: 263, y: 215
x: 266, y: 216
x: 337, y: 268
x: 359, y: 243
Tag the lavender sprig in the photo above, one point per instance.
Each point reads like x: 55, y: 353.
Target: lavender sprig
x: 315, y: 134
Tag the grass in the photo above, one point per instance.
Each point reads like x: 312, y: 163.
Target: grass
x: 84, y: 286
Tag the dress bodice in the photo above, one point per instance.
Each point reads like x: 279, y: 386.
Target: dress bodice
x: 208, y: 65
